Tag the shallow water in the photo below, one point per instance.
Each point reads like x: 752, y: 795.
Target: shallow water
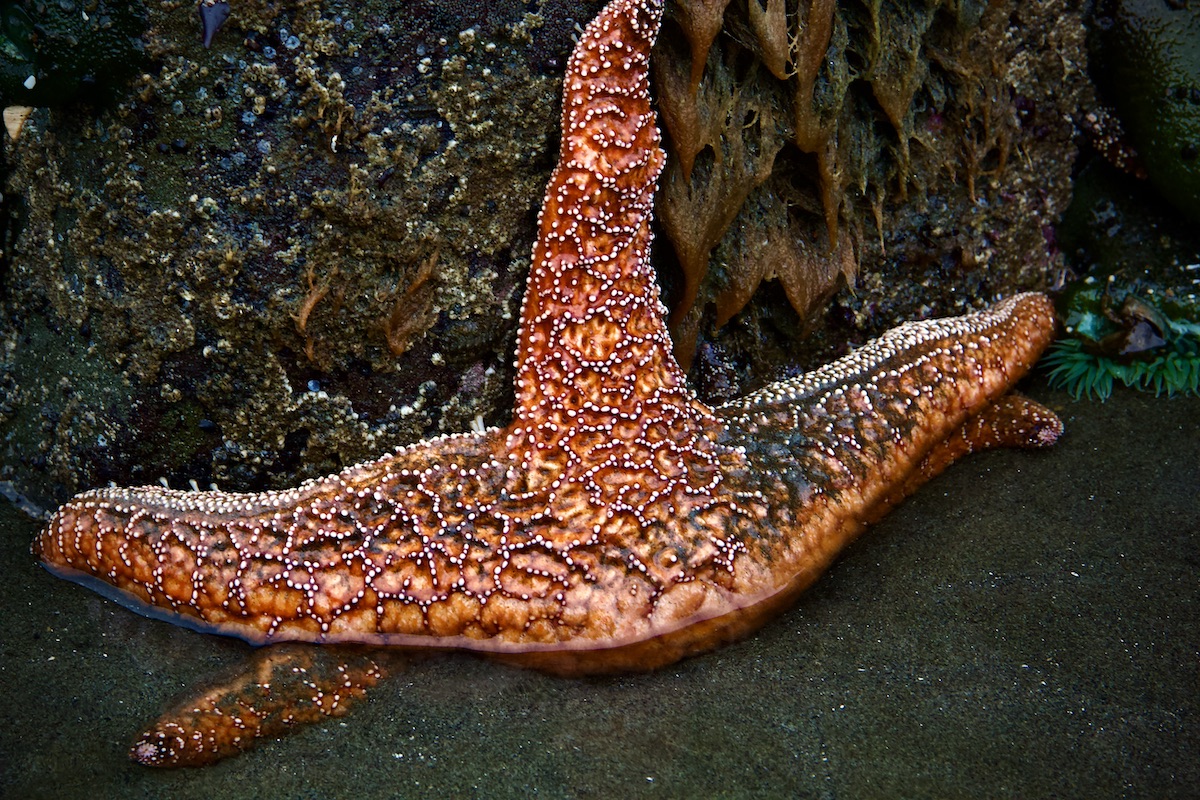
x: 1027, y: 625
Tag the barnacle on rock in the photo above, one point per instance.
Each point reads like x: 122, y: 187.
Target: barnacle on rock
x: 332, y: 148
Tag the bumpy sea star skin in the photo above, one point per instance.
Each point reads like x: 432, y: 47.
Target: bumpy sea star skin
x: 617, y: 523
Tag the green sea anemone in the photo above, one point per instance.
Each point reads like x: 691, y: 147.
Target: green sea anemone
x: 1137, y: 345
x: 1079, y: 372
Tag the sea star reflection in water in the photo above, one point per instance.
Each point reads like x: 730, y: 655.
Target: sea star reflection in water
x: 617, y: 523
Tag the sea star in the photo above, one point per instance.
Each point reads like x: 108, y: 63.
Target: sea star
x: 617, y: 523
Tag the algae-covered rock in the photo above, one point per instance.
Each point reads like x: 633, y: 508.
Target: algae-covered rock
x: 1147, y: 58
x: 873, y: 146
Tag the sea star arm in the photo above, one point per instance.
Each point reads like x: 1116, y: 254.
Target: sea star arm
x: 281, y: 689
x: 1012, y: 421
x: 432, y: 547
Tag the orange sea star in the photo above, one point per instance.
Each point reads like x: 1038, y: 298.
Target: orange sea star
x: 617, y: 522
